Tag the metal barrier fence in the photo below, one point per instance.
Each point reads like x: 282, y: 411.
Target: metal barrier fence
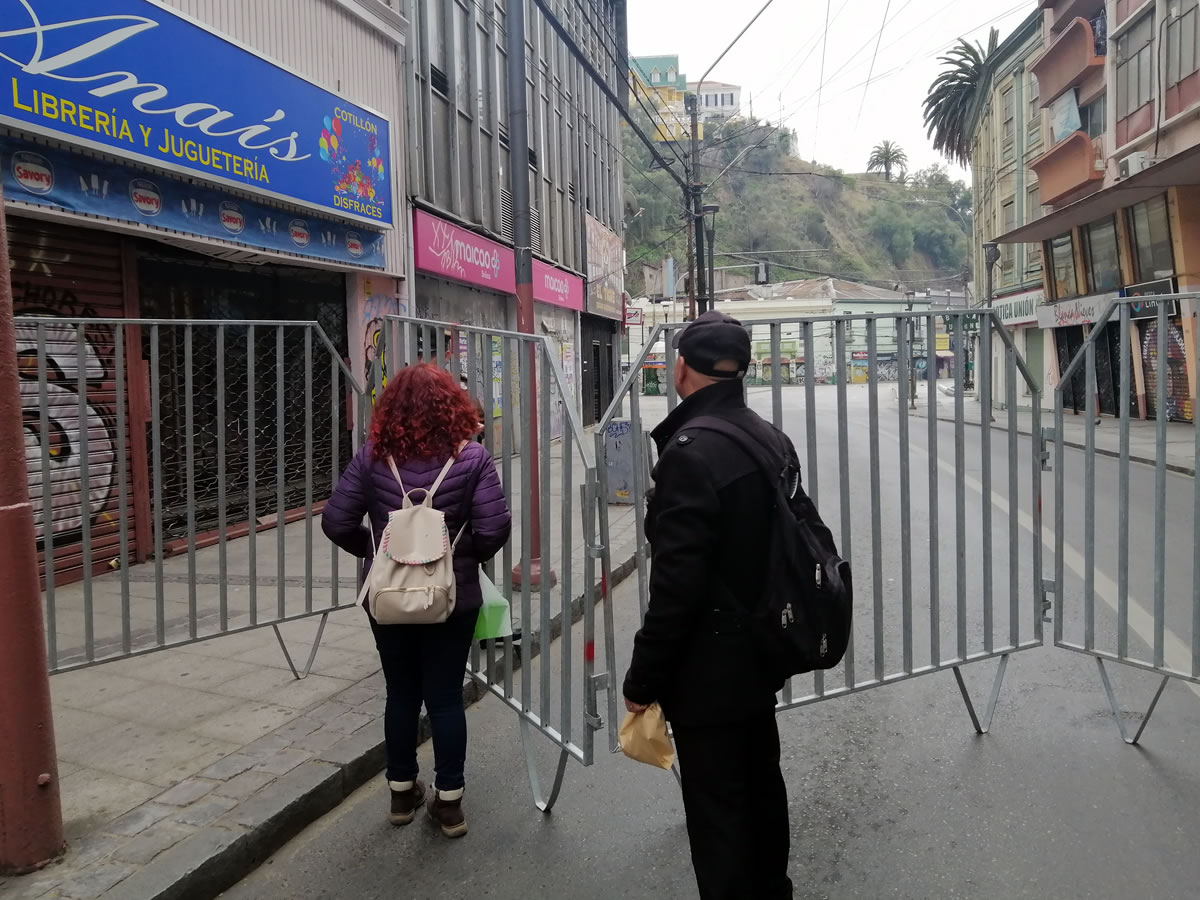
x: 533, y: 428
x: 173, y: 443
x: 860, y: 471
x: 1154, y: 544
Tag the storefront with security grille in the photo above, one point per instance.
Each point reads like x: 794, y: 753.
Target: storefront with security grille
x: 278, y: 207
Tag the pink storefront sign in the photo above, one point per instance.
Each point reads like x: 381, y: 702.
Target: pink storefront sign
x: 554, y: 286
x: 443, y: 249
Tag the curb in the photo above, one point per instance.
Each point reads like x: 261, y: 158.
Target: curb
x: 220, y: 855
x: 1100, y: 451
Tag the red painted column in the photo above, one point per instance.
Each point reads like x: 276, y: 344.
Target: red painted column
x: 31, y: 831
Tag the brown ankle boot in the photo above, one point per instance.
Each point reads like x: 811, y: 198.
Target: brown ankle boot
x: 445, y: 809
x: 407, y: 798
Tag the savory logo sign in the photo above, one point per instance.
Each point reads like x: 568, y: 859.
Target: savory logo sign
x: 121, y: 76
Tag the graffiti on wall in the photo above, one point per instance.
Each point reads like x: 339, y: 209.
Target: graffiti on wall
x: 55, y: 451
x: 1179, y: 395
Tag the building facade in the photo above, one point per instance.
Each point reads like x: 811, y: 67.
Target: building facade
x: 1007, y: 137
x: 459, y: 172
x: 660, y: 90
x: 142, y: 187
x: 718, y: 101
x: 1120, y: 185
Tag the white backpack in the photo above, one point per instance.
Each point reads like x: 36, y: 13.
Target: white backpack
x: 411, y: 581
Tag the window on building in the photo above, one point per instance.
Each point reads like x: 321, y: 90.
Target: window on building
x: 1092, y: 118
x: 1008, y: 221
x: 1009, y: 113
x: 1034, y: 112
x: 1062, y: 261
x: 1183, y: 34
x: 730, y: 100
x: 1135, y: 67
x: 655, y: 76
x: 1151, y: 231
x: 671, y: 76
x: 1033, y: 211
x: 1103, y: 263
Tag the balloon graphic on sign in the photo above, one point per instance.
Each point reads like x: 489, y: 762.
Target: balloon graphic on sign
x: 337, y: 127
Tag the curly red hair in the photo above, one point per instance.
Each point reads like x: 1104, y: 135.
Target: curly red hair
x: 423, y: 414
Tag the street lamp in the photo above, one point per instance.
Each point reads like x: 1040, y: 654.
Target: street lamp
x: 709, y: 213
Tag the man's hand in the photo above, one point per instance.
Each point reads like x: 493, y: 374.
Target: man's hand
x: 634, y: 707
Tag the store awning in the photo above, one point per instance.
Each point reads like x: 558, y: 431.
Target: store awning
x: 945, y: 354
x: 1182, y: 168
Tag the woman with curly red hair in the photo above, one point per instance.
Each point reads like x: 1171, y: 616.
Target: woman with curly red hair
x: 422, y: 421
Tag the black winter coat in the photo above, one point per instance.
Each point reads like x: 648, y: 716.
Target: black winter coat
x: 707, y: 523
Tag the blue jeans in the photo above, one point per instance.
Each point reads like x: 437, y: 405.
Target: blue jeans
x: 425, y: 664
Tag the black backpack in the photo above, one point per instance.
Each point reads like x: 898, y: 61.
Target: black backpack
x: 805, y: 623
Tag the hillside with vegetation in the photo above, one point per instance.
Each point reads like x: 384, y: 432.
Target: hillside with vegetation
x: 884, y: 227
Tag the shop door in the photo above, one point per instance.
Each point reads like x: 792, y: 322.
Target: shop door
x: 1069, y: 341
x: 187, y: 287
x: 597, y: 391
x: 1179, y: 395
x: 72, y: 273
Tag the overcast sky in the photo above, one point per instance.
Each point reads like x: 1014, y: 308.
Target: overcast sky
x: 778, y: 62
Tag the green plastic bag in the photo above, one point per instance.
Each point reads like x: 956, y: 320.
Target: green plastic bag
x: 495, y: 617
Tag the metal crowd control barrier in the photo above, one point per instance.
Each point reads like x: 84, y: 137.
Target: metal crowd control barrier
x: 1156, y: 594
x: 157, y: 450
x: 917, y: 612
x: 532, y: 427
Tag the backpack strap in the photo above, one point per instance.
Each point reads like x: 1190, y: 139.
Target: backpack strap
x: 773, y: 468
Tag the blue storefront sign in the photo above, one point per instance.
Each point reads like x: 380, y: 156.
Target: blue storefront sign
x: 134, y: 78
x: 63, y: 180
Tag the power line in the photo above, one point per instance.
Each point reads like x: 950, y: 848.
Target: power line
x: 824, y: 48
x: 870, y: 71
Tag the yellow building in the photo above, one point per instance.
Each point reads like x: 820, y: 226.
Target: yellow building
x: 662, y: 90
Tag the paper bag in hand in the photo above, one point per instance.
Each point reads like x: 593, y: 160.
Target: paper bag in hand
x: 644, y: 738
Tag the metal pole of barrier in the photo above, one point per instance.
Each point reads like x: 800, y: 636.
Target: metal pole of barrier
x: 280, y: 478
x: 85, y: 491
x: 1123, y: 493
x: 252, y: 474
x: 984, y: 379
x: 1089, y: 499
x: 1014, y: 500
x: 1195, y: 542
x: 935, y: 593
x: 507, y: 431
x: 903, y: 378
x: 189, y: 431
x: 527, y: 498
x: 122, y: 484
x: 47, y: 489
x: 222, y: 503
x: 335, y: 467
x: 599, y: 506
x: 669, y: 372
x: 1039, y: 585
x: 960, y: 487
x: 565, y: 649
x: 638, y: 451
x: 810, y: 438
x: 156, y: 484
x: 308, y: 470
x: 1060, y: 515
x: 1160, y: 493
x: 876, y: 490
x: 544, y: 422
x: 31, y: 829
x: 844, y: 470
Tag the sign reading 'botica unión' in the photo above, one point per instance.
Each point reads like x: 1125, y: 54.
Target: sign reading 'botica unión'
x: 135, y: 79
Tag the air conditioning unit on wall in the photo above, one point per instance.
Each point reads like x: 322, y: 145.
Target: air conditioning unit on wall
x: 1134, y: 163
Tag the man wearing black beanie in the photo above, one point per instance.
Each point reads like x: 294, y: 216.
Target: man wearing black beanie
x: 707, y: 523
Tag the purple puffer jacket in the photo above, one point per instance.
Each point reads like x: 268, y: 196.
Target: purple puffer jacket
x: 367, y: 487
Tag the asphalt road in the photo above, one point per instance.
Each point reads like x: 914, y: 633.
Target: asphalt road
x: 892, y: 793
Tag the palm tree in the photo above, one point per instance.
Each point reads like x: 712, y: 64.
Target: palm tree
x: 948, y: 105
x: 885, y: 157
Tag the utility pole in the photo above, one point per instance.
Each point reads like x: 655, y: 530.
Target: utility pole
x: 693, y: 103
x: 518, y: 170
x: 691, y: 251
x: 31, y: 830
